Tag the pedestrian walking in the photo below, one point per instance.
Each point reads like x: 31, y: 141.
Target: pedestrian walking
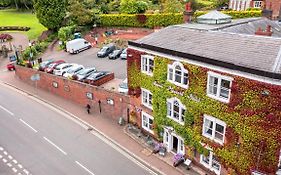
x: 88, y: 107
x: 96, y: 40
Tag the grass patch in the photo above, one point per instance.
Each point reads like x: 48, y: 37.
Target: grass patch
x: 16, y: 18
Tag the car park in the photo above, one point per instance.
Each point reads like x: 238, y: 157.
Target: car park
x: 115, y: 54
x: 52, y: 66
x: 106, y: 50
x: 81, y: 75
x: 123, y: 55
x: 62, y: 69
x: 73, y: 70
x: 95, y: 76
x: 45, y: 64
x: 123, y: 87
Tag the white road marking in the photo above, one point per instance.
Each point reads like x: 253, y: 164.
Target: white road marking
x: 9, y: 164
x: 5, y: 109
x: 55, y: 145
x: 28, y: 125
x: 25, y: 171
x: 4, y: 160
x: 84, y: 168
x: 10, y: 157
x: 1, y: 148
x: 20, y: 166
x: 19, y: 174
x: 15, y: 161
x: 14, y: 169
x: 5, y: 152
x: 1, y: 156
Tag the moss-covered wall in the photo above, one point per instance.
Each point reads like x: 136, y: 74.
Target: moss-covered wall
x: 253, y: 115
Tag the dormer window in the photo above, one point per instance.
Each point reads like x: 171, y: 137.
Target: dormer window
x: 147, y: 64
x: 178, y: 75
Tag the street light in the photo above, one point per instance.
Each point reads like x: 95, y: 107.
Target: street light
x: 30, y: 53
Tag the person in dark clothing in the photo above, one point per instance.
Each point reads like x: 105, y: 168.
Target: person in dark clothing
x: 88, y: 108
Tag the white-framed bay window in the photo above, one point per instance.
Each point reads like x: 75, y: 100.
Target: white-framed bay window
x: 147, y: 64
x: 146, y: 98
x: 147, y: 122
x: 210, y: 162
x: 219, y: 87
x: 214, y: 129
x: 178, y: 75
x: 176, y: 110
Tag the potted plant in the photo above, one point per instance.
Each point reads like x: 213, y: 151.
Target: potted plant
x: 178, y: 159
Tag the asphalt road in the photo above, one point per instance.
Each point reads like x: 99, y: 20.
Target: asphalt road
x: 88, y: 58
x: 44, y: 141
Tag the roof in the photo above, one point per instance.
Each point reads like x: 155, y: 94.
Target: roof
x: 214, y: 15
x: 250, y: 53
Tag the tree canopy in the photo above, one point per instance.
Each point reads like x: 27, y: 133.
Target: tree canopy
x: 50, y: 13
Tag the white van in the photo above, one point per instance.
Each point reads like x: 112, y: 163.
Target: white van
x: 77, y: 45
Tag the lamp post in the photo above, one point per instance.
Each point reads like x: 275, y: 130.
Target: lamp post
x: 30, y: 53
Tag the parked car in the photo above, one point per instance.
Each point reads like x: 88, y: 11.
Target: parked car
x: 106, y: 50
x: 123, y: 87
x: 45, y: 64
x: 123, y: 55
x: 52, y: 66
x: 62, y: 69
x: 73, y: 70
x: 77, y: 45
x: 95, y: 76
x: 81, y: 75
x: 115, y: 54
x: 11, y: 66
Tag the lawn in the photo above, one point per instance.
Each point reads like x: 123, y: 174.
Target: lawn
x: 15, y: 18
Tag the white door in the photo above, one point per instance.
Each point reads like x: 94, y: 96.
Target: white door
x: 173, y: 142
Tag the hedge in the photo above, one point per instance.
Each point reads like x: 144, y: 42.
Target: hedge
x: 163, y: 20
x: 142, y: 20
x: 20, y: 28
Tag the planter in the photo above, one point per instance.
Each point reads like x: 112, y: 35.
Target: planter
x: 178, y: 159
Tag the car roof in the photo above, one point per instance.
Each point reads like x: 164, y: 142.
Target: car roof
x: 62, y: 65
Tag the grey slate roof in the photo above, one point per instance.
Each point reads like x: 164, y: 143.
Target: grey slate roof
x: 250, y: 51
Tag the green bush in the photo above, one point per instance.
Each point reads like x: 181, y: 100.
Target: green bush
x: 234, y: 14
x: 152, y: 20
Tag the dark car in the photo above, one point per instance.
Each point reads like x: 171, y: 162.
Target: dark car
x: 84, y: 73
x: 115, y: 54
x: 45, y: 64
x: 53, y: 65
x: 95, y: 76
x: 106, y: 50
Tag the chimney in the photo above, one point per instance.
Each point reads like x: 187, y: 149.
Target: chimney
x: 188, y: 12
x: 267, y: 32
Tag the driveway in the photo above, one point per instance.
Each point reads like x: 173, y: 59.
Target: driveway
x: 89, y: 58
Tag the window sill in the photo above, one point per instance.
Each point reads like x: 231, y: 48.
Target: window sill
x: 147, y: 73
x: 217, y: 98
x: 181, y: 123
x: 147, y: 106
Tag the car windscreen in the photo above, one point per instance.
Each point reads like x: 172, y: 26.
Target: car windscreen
x: 103, y: 49
x: 71, y: 70
x: 83, y: 72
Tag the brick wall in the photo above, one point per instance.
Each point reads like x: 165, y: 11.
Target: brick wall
x: 76, y: 92
x: 273, y: 5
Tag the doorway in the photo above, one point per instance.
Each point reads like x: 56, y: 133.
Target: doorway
x: 175, y: 144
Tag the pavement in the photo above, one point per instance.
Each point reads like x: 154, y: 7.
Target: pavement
x: 107, y: 127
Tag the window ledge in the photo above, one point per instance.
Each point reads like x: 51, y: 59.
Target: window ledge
x: 147, y: 73
x: 181, y: 123
x: 218, y: 98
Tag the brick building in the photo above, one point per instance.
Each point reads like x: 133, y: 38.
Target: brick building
x: 272, y: 5
x: 212, y: 95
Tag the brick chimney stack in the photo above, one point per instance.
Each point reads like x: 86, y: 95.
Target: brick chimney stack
x: 187, y: 14
x: 267, y: 32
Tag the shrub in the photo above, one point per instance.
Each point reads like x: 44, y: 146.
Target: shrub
x: 145, y: 20
x: 133, y: 6
x: 234, y: 14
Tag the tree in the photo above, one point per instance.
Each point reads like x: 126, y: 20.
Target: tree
x: 172, y: 6
x: 133, y: 6
x: 50, y: 13
x: 80, y: 12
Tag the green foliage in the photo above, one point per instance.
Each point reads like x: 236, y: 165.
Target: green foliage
x: 50, y: 13
x: 80, y: 13
x: 36, y: 50
x: 173, y: 6
x: 234, y: 14
x: 133, y: 6
x: 129, y: 20
x: 65, y: 34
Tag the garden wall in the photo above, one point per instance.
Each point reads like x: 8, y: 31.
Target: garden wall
x: 79, y: 93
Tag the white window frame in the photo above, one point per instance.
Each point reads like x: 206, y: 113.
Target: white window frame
x: 143, y: 101
x: 215, y: 121
x: 171, y: 102
x: 183, y: 72
x: 209, y: 165
x: 145, y: 66
x: 257, y: 4
x: 220, y: 78
x: 148, y: 117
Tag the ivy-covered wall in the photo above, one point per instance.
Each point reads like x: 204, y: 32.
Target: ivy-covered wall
x: 253, y: 115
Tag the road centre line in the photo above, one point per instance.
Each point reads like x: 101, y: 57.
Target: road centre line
x: 28, y: 125
x: 57, y: 147
x: 5, y: 109
x: 84, y: 168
